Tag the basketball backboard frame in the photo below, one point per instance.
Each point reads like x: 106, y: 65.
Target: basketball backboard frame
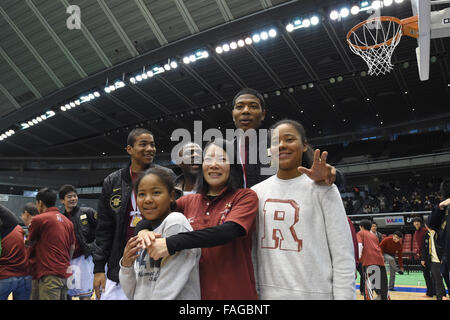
x: 422, y: 9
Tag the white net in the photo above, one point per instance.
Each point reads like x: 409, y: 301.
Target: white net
x: 375, y: 41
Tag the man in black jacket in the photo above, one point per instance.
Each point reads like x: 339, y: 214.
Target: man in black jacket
x: 118, y: 214
x: 84, y: 221
x: 249, y: 111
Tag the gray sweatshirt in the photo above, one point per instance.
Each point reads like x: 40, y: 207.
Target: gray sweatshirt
x: 303, y: 245
x: 172, y: 278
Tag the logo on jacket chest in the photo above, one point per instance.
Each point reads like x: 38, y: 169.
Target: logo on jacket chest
x: 115, y: 201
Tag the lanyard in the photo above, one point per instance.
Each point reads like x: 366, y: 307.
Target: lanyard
x: 133, y: 195
x: 242, y: 151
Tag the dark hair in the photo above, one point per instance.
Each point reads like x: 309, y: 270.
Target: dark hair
x: 418, y: 219
x: 235, y: 179
x: 167, y: 179
x: 366, y: 224
x: 47, y: 196
x: 31, y: 209
x: 308, y: 155
x: 398, y: 234
x: 65, y: 189
x: 444, y: 189
x: 373, y: 222
x: 252, y: 92
x: 131, y: 139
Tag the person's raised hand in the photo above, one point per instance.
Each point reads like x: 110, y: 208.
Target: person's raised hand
x: 321, y: 172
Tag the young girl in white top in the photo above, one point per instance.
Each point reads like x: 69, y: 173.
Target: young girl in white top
x: 172, y: 278
x: 303, y: 246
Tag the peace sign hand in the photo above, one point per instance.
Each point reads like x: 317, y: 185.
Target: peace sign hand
x: 321, y: 172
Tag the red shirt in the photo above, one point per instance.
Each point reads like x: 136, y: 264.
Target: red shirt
x: 51, y: 235
x: 14, y: 260
x: 371, y: 254
x: 226, y: 272
x: 418, y: 238
x: 390, y: 247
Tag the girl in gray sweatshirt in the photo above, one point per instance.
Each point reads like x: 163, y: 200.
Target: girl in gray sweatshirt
x: 303, y: 247
x: 172, y: 278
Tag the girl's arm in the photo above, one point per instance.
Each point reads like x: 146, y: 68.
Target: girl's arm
x: 340, y: 245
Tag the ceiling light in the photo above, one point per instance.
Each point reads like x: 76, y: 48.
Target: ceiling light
x: 290, y: 27
x: 173, y: 64
x: 233, y: 45
x: 344, y: 12
x: 256, y: 38
x: 132, y: 80
x: 272, y: 33
x: 306, y: 23
x: 138, y: 78
x: 354, y: 10
x: 376, y: 4
x: 334, y: 15
x: 387, y: 3
x: 167, y: 67
x: 248, y: 40
x: 187, y: 61
x: 63, y: 108
x: 72, y: 104
x: 315, y: 20
x: 226, y: 47
x: 205, y: 54
x: 219, y: 50
x: 398, y: 1
x: 332, y: 80
x: 264, y: 35
x: 241, y: 43
x: 96, y: 94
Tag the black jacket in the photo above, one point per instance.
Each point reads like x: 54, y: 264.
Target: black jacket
x: 439, y: 220
x: 84, y: 221
x: 110, y: 235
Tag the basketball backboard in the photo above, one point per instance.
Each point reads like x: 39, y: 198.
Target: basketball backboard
x: 432, y: 24
x: 422, y: 9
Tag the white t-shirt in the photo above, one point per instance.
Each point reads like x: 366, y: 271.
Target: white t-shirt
x: 303, y: 246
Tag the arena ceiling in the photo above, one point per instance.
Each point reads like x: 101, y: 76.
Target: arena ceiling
x: 45, y: 65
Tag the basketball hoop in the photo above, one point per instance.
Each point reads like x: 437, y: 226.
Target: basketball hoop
x: 375, y: 40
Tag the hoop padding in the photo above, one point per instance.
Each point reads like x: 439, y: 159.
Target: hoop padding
x: 374, y: 40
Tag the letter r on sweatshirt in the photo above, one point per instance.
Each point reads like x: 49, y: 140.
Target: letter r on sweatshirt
x: 280, y: 217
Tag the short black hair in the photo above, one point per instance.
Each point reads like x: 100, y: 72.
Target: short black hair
x: 47, y: 196
x: 65, y: 189
x: 131, y: 139
x: 398, y: 234
x: 31, y: 209
x: 166, y: 178
x: 235, y: 179
x: 252, y: 92
x: 366, y: 224
x: 418, y: 219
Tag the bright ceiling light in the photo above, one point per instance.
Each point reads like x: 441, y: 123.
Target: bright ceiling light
x: 96, y: 94
x: 306, y: 23
x: 233, y: 45
x: 315, y: 20
x: 167, y: 67
x: 290, y: 27
x: 173, y: 64
x: 62, y: 108
x: 219, y: 50
x: 256, y: 38
x: 248, y: 40
x: 272, y: 33
x: 187, y: 61
x: 191, y: 58
x: 354, y: 10
x: 264, y: 35
x: 344, y: 12
x: 241, y: 43
x: 205, y: 54
x: 334, y: 15
x: 73, y: 105
x: 387, y: 3
x: 138, y: 78
x: 226, y: 47
x: 376, y: 4
x: 398, y: 1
